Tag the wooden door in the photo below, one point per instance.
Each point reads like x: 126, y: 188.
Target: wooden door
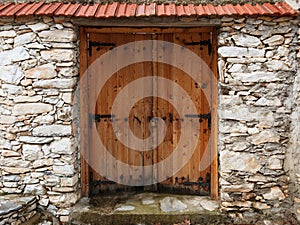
x: 192, y: 177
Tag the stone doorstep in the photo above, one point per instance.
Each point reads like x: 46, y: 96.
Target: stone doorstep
x: 145, y: 208
x: 17, y: 207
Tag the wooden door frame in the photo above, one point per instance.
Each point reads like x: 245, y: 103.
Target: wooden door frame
x: 84, y: 143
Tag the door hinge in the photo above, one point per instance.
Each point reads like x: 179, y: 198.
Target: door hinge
x: 201, y: 117
x: 98, y: 117
x: 200, y: 182
x: 202, y: 43
x: 99, y: 45
x: 99, y: 182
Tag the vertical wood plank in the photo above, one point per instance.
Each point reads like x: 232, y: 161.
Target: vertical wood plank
x: 84, y: 135
x: 214, y: 127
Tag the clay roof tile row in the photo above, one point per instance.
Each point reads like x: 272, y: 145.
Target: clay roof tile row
x: 117, y: 9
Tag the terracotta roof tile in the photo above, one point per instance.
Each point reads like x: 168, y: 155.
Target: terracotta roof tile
x: 171, y: 10
x: 131, y: 10
x: 101, y: 11
x: 117, y: 9
x: 261, y: 10
x: 4, y: 6
x: 220, y: 10
x: 151, y: 9
x: 251, y: 10
x: 200, y: 10
x: 231, y: 9
x: 141, y: 10
x: 29, y: 9
x: 48, y: 9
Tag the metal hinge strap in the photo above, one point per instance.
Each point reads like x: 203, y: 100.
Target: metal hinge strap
x: 99, y: 45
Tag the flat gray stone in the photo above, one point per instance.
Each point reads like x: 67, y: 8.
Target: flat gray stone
x: 209, y: 205
x: 172, y: 204
x: 148, y: 201
x: 12, y: 203
x: 125, y: 208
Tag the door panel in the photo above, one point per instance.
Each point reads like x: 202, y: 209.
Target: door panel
x: 139, y: 119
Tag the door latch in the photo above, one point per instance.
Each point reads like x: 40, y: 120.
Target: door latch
x: 201, y: 117
x: 98, y: 117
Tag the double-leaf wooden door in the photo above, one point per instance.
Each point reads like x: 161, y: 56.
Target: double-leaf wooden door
x: 150, y: 106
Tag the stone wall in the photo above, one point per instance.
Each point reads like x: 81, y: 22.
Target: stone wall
x: 39, y: 71
x: 292, y: 163
x: 257, y: 66
x: 258, y: 113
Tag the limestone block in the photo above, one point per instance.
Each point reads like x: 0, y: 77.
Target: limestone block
x: 244, y: 204
x: 255, y: 77
x: 42, y: 163
x: 268, y: 102
x: 230, y: 100
x: 32, y: 152
x: 10, y: 184
x: 55, y: 83
x: 229, y: 51
x: 275, y: 65
x: 237, y: 68
x: 14, y: 178
x: 58, y: 35
x: 8, y: 34
x: 68, y: 71
x: 52, y: 179
x: 16, y: 170
x: 283, y: 51
x: 12, y: 162
x: 236, y: 113
x: 58, y: 55
x: 64, y: 189
x: 238, y: 188
x: 67, y: 170
x: 63, y: 146
x: 24, y: 39
x: 52, y: 130
x: 11, y: 74
x: 7, y: 119
x: 69, y: 181
x: 274, y: 40
x: 274, y: 194
x: 35, y: 45
x: 9, y: 153
x: 227, y: 127
x: 239, y: 146
x: 46, y: 119
x: 31, y: 108
x: 44, y: 202
x: 67, y: 98
x: 35, y: 140
x: 64, y: 200
x: 34, y: 189
x: 15, y: 55
x: 246, y: 40
x: 239, y: 161
x: 38, y: 27
x: 4, y: 144
x: 266, y: 136
x: 274, y: 163
x: 259, y: 205
x: 35, y: 98
x: 46, y: 71
x: 65, y: 114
